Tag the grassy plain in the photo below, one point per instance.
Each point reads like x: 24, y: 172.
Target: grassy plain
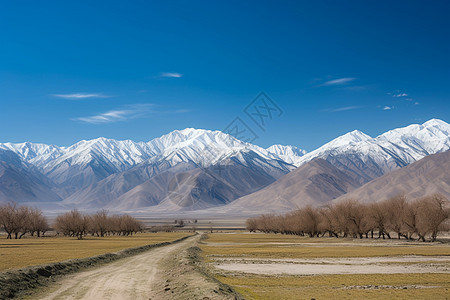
x: 382, y: 286
x: 349, y: 286
x: 15, y: 254
x: 283, y: 246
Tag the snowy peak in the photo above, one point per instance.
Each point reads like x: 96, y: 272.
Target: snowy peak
x: 202, y: 147
x: 431, y: 137
x: 287, y: 153
x: 394, y: 148
x: 196, y: 137
x: 36, y: 154
x: 350, y: 138
x: 368, y: 158
x: 340, y: 144
x: 106, y: 168
x: 199, y: 146
x: 437, y: 123
x: 430, y: 129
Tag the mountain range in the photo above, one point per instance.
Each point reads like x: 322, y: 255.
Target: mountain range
x: 194, y: 169
x: 427, y: 176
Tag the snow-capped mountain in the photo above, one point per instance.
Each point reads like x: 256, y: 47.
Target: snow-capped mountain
x: 100, y: 170
x: 289, y: 154
x: 106, y: 172
x: 20, y: 182
x: 87, y: 162
x: 201, y: 147
x: 36, y: 154
x: 368, y: 158
x: 149, y: 184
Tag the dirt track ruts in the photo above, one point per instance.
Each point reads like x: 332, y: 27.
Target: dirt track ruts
x: 128, y: 278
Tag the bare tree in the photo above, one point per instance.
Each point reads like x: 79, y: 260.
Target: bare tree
x: 15, y: 220
x: 395, y: 208
x: 72, y: 223
x: 432, y: 212
x: 100, y: 223
x: 251, y: 224
x: 8, y: 218
x: 37, y: 222
x: 378, y: 218
x: 422, y: 218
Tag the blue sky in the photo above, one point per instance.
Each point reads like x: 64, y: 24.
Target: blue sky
x: 72, y: 70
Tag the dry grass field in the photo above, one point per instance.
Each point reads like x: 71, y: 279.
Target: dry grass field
x: 15, y: 254
x: 244, y: 261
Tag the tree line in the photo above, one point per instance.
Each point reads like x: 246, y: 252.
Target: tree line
x: 18, y: 220
x: 420, y: 219
x: 76, y: 224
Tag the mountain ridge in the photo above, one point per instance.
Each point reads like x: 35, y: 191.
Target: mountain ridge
x: 424, y: 177
x: 103, y: 172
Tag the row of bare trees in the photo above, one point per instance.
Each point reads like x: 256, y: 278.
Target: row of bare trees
x: 422, y: 219
x: 76, y: 224
x: 17, y: 221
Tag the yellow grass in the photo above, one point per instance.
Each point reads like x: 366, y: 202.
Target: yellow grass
x: 282, y: 246
x: 389, y: 286
x: 15, y: 254
x: 428, y: 286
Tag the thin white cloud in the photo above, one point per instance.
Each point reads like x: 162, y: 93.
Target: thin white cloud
x: 416, y: 103
x: 126, y: 113
x: 388, y: 107
x: 339, y: 81
x: 81, y: 95
x: 171, y: 75
x: 343, y: 108
x: 107, y: 117
x: 400, y: 95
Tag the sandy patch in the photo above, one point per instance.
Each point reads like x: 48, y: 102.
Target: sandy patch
x: 343, y: 260
x: 322, y: 266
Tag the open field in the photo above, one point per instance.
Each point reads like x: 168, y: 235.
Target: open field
x: 285, y: 246
x: 15, y: 254
x: 269, y: 266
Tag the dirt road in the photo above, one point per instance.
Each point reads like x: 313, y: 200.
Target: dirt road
x: 128, y: 278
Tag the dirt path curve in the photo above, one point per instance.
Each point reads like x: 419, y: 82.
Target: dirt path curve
x: 128, y: 278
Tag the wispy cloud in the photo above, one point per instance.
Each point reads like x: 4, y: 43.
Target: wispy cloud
x: 400, y: 95
x: 128, y: 112
x: 345, y: 108
x: 81, y: 95
x: 171, y: 75
x: 388, y: 108
x: 338, y: 81
x: 106, y: 117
